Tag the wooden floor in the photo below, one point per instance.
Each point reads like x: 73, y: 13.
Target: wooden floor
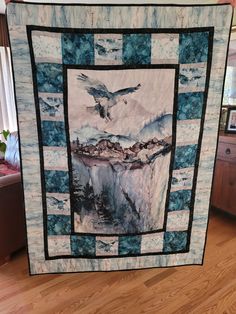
x: 207, y: 289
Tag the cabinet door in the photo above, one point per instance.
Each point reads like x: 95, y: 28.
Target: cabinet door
x: 224, y: 187
x: 229, y: 188
x: 217, y: 199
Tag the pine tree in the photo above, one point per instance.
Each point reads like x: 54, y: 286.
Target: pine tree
x: 104, y: 206
x: 88, y: 197
x: 76, y: 193
x: 77, y: 141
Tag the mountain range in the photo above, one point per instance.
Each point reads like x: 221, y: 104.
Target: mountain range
x: 160, y: 127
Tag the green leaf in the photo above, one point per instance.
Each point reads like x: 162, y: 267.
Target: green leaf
x: 3, y: 147
x: 5, y: 133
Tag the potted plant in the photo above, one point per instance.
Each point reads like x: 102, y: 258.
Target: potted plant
x: 3, y: 145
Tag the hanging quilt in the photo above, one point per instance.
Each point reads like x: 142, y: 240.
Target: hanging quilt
x: 118, y: 110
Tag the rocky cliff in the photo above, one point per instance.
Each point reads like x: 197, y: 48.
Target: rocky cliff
x: 120, y: 190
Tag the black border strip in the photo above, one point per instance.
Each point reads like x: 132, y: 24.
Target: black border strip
x: 174, y: 138
x: 119, y: 30
x: 210, y: 30
x: 68, y: 147
x: 174, y: 127
x: 123, y: 4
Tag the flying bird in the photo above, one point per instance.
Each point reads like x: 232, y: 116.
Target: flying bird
x: 55, y: 202
x: 101, y: 50
x: 104, y: 99
x: 46, y: 107
x: 106, y: 246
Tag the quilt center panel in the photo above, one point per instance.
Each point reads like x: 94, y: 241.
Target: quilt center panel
x: 120, y: 129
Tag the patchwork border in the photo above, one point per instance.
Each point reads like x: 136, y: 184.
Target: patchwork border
x: 168, y: 236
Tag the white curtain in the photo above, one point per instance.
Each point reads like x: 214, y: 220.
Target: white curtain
x: 7, y: 101
x: 2, y: 6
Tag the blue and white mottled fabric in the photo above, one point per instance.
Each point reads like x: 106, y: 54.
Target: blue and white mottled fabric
x: 118, y: 109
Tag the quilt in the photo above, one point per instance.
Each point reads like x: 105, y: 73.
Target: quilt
x: 118, y: 111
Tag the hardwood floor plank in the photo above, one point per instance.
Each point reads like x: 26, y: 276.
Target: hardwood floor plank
x: 222, y: 301
x: 159, y: 277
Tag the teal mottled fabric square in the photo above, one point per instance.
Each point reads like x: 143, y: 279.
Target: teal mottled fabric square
x: 83, y: 245
x: 137, y: 48
x: 49, y: 77
x: 56, y: 181
x: 77, y: 48
x: 175, y: 241
x: 190, y: 106
x: 58, y: 225
x: 180, y: 200
x: 193, y: 47
x: 129, y: 245
x: 53, y: 133
x: 185, y: 156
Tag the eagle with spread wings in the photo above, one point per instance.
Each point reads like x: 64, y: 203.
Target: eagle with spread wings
x: 104, y: 99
